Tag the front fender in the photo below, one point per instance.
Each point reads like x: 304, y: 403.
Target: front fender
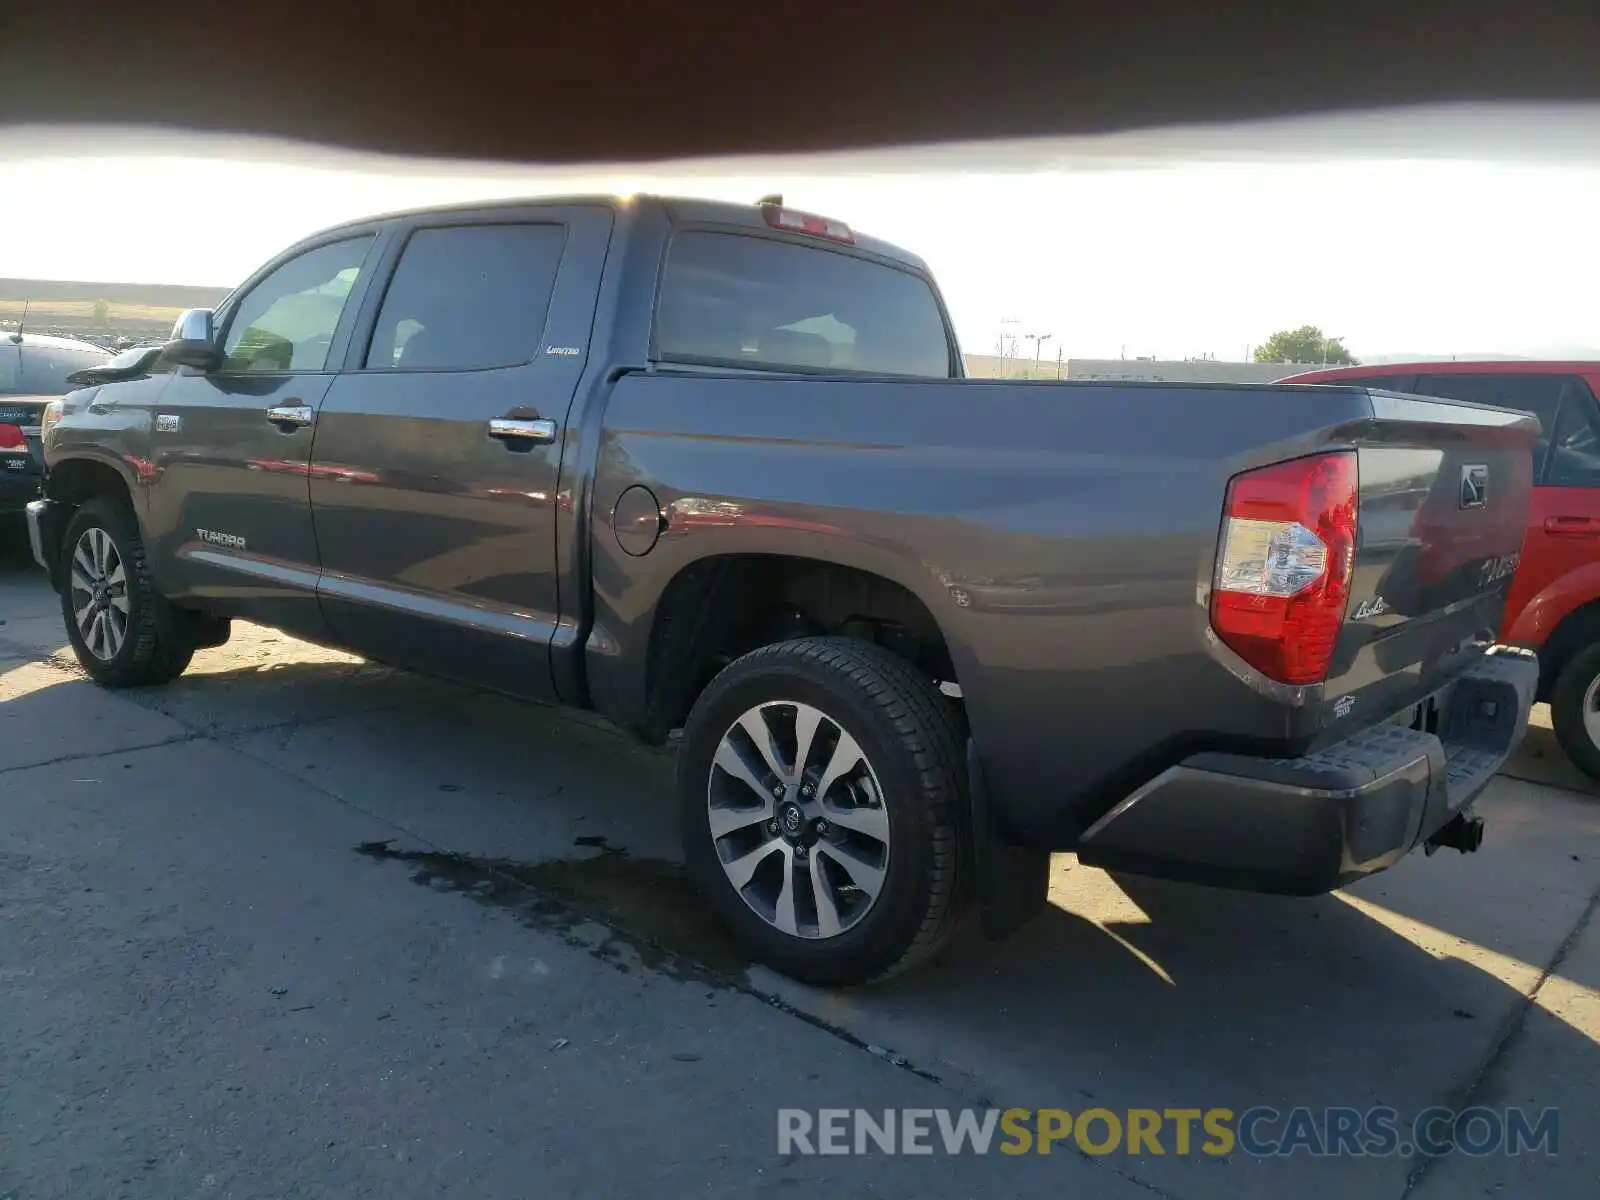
x: 108, y: 424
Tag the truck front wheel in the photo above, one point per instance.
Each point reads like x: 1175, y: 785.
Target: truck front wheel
x: 120, y: 629
x: 824, y: 809
x: 1575, y: 709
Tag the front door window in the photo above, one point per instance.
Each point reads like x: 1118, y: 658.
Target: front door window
x: 287, y: 321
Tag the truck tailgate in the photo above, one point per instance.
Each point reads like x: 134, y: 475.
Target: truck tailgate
x: 1443, y: 506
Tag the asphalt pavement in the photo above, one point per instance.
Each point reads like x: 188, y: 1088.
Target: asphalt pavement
x: 300, y: 925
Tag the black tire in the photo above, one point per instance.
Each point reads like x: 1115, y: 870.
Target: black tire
x: 912, y: 738
x: 1566, y: 709
x: 154, y: 649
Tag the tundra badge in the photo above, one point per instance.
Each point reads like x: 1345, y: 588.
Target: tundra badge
x: 231, y: 540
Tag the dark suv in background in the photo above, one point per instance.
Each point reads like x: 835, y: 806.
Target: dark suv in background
x: 33, y: 371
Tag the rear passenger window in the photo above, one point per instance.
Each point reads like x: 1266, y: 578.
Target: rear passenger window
x: 1574, y: 459
x: 467, y: 298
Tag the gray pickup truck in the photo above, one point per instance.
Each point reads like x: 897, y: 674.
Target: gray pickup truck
x: 712, y: 470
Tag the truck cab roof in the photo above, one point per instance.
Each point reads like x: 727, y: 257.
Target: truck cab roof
x: 680, y: 211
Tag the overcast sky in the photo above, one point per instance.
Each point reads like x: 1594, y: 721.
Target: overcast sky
x: 1432, y: 232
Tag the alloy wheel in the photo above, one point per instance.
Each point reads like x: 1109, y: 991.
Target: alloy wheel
x: 99, y: 584
x: 798, y: 819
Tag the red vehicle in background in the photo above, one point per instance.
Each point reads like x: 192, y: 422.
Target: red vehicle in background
x: 1554, y: 606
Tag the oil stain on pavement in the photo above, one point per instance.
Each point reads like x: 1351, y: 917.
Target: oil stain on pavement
x: 634, y: 913
x: 637, y: 914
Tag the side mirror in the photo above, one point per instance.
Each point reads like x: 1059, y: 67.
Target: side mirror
x: 194, y: 341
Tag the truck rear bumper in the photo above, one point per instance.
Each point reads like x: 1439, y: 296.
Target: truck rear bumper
x: 1307, y: 825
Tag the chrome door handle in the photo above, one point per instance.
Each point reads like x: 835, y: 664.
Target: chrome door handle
x: 291, y: 414
x: 522, y: 432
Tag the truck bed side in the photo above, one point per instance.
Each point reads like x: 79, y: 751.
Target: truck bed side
x: 1061, y: 537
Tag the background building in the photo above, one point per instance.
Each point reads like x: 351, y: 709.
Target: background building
x: 1132, y: 370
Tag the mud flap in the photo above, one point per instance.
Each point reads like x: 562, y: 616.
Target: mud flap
x: 1013, y: 882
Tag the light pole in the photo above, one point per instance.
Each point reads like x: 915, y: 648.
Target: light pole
x: 1038, y: 340
x: 1008, y: 344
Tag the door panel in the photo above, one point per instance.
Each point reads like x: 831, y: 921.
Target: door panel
x: 437, y: 537
x: 229, y: 511
x: 1564, y: 532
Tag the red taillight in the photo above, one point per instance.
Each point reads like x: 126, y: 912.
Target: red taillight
x: 802, y: 222
x: 11, y: 438
x: 1283, y: 567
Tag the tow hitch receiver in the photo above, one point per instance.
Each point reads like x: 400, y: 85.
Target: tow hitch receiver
x: 1460, y: 832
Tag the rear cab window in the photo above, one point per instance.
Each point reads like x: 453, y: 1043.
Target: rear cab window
x: 747, y: 300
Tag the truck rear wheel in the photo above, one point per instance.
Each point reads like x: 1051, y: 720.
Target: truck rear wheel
x: 1575, y: 709
x: 120, y: 628
x: 824, y: 809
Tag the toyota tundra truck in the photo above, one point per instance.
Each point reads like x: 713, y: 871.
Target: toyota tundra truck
x: 712, y: 471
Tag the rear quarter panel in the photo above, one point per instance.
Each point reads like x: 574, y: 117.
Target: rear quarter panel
x: 1062, y: 536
